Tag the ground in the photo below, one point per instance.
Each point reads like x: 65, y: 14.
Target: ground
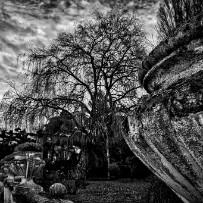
x: 113, y: 191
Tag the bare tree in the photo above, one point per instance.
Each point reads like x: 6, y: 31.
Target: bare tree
x: 101, y: 57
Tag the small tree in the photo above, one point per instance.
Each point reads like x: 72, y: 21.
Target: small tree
x: 101, y: 57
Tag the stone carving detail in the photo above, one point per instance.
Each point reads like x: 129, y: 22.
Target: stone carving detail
x: 166, y: 130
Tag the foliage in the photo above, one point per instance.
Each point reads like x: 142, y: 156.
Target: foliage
x: 82, y: 167
x: 13, y: 160
x: 10, y: 139
x: 17, y: 162
x: 57, y: 190
x: 62, y: 124
x: 29, y: 146
x: 73, y: 176
x: 26, y: 194
x: 101, y: 56
x: 17, y: 166
x: 173, y: 14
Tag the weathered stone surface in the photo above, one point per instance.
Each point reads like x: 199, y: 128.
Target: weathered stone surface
x: 166, y: 130
x: 170, y: 141
x: 174, y: 58
x: 182, y: 65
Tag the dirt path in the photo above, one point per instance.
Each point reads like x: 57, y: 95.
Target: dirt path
x: 113, y: 191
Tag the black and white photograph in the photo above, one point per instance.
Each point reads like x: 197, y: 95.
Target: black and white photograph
x: 101, y: 101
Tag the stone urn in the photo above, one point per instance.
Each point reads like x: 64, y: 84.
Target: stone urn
x: 166, y: 130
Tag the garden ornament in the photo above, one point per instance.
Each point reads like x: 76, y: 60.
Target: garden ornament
x: 166, y: 130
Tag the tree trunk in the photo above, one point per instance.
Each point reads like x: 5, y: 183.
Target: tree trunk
x: 108, y: 156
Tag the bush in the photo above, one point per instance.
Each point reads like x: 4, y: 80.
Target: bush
x: 58, y: 190
x: 71, y: 186
x: 29, y: 146
x: 114, y: 170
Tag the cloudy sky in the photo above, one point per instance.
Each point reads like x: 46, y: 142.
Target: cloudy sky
x: 21, y: 31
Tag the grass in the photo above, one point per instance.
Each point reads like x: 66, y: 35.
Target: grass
x: 113, y: 191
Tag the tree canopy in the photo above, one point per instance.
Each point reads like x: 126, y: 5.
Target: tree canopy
x: 99, y: 59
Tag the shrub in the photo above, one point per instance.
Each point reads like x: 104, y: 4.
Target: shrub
x: 29, y: 146
x: 58, y: 190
